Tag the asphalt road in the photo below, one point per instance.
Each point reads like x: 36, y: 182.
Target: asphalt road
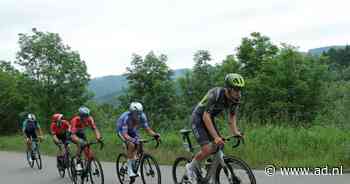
x: 15, y: 170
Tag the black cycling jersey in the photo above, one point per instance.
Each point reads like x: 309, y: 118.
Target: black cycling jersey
x: 214, y: 102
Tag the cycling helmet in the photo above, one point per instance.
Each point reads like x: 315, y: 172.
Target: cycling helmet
x: 233, y: 80
x: 84, y: 112
x: 57, y: 117
x: 135, y: 106
x: 31, y: 117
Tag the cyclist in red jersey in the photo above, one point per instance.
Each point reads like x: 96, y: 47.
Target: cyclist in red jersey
x: 79, y: 123
x: 60, y: 132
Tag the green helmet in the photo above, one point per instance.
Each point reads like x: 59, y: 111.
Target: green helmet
x: 234, y: 80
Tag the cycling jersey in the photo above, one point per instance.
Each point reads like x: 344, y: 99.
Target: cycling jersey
x: 125, y: 124
x: 29, y: 125
x: 59, y: 130
x: 214, y: 102
x: 78, y: 125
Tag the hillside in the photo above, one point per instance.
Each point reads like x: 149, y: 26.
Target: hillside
x: 319, y: 51
x: 108, y: 87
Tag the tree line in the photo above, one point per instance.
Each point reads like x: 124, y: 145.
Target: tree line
x: 283, y: 85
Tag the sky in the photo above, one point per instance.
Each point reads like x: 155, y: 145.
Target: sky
x: 107, y: 32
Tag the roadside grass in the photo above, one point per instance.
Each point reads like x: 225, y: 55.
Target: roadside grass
x: 283, y: 146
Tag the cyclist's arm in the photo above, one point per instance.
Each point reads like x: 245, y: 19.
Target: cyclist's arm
x: 40, y: 132
x: 97, y: 133
x: 233, y: 124
x: 55, y: 138
x: 209, y: 125
x: 150, y: 131
x: 94, y: 128
x: 24, y: 124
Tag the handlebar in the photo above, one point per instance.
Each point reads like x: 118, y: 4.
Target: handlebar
x: 239, y: 139
x: 95, y: 142
x: 143, y: 141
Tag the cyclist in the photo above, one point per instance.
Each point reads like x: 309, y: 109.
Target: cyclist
x: 78, y: 124
x: 30, y: 126
x: 214, y: 102
x: 60, y: 133
x: 127, y: 129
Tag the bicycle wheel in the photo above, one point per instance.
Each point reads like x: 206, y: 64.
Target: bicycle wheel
x: 179, y: 170
x: 60, y: 167
x: 38, y: 159
x: 30, y: 159
x: 236, y: 172
x: 77, y: 176
x: 121, y: 166
x: 150, y: 171
x: 94, y: 172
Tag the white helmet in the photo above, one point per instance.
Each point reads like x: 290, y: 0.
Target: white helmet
x: 84, y: 111
x: 31, y: 117
x: 135, y: 106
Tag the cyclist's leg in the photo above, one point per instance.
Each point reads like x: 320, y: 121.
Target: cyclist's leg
x: 131, y: 152
x: 28, y: 140
x: 62, y: 139
x: 79, y: 139
x: 204, y: 139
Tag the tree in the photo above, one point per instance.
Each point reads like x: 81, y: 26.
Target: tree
x: 196, y: 83
x: 254, y: 52
x: 150, y: 83
x: 61, y: 76
x: 288, y: 87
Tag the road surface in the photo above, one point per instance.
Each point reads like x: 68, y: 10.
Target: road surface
x: 15, y: 170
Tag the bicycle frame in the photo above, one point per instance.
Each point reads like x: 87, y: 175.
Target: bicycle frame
x: 211, y: 172
x: 215, y: 163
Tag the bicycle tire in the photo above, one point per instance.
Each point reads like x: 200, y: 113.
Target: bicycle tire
x: 38, y: 160
x: 234, y: 160
x: 146, y: 160
x: 122, y: 169
x: 29, y: 155
x: 175, y: 168
x: 93, y: 172
x: 76, y: 177
x: 61, y: 169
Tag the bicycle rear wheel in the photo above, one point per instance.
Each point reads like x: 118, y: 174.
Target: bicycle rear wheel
x: 121, y: 166
x: 95, y: 172
x: 150, y: 171
x: 236, y: 172
x: 179, y: 170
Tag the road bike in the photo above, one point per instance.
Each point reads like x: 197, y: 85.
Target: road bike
x: 218, y: 169
x: 90, y: 170
x: 33, y: 155
x: 63, y: 162
x: 146, y: 163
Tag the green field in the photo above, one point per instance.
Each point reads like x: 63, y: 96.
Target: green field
x: 269, y: 144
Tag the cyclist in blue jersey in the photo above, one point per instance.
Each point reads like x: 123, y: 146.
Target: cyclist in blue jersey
x: 127, y: 127
x: 30, y: 127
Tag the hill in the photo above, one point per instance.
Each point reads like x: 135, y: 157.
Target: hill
x: 106, y: 88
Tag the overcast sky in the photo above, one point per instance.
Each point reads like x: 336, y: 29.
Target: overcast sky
x: 107, y: 33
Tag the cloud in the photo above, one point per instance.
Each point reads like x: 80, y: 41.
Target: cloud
x: 106, y: 33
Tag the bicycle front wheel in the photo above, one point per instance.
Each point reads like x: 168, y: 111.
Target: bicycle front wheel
x: 179, y: 170
x: 77, y: 175
x: 38, y: 159
x: 235, y: 172
x: 150, y: 171
x: 121, y: 166
x: 95, y: 172
x: 30, y: 159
